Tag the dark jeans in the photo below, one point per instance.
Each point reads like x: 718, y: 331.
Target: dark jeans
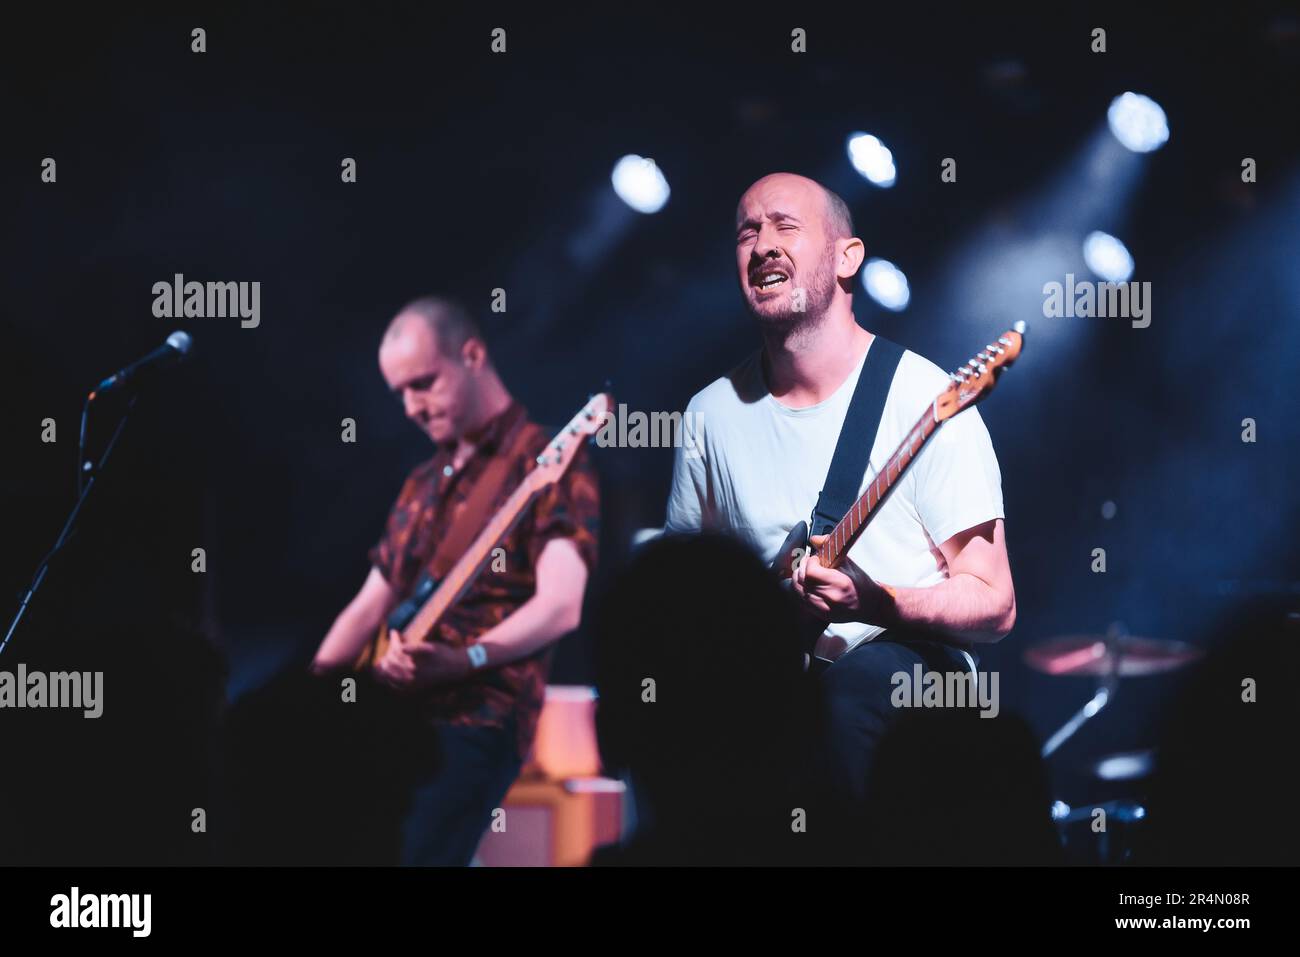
x: 856, y: 708
x: 459, y: 783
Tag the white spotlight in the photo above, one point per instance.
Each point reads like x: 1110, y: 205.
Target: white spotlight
x: 1138, y: 122
x: 872, y: 159
x: 1124, y: 767
x: 1107, y: 257
x: 640, y: 184
x: 886, y: 284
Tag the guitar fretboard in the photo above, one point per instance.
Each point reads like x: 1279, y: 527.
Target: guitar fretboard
x: 841, y: 538
x: 462, y: 574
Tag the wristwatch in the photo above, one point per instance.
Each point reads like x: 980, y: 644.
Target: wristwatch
x: 477, y: 656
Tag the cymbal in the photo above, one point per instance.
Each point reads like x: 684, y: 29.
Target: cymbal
x: 1088, y: 655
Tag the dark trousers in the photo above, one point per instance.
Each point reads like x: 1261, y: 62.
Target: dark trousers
x: 856, y: 709
x: 459, y: 783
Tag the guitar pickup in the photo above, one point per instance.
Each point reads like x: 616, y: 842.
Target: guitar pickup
x: 401, y: 615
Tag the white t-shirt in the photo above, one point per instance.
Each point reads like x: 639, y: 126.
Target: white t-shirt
x: 756, y: 467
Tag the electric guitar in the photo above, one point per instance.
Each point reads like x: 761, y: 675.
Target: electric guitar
x: 968, y: 385
x: 417, y: 618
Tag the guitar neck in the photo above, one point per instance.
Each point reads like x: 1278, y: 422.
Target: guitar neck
x: 841, y: 538
x: 967, y: 386
x: 469, y: 565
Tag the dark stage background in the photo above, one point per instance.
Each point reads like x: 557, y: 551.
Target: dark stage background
x: 479, y: 171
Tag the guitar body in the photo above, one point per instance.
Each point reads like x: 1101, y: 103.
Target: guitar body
x: 398, y: 618
x: 822, y: 649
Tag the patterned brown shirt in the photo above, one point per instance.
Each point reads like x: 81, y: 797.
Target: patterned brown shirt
x: 418, y: 521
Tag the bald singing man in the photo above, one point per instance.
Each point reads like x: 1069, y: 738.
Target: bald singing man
x: 481, y: 680
x: 933, y: 558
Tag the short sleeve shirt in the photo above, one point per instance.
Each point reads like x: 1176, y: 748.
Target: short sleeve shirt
x: 418, y: 521
x: 756, y: 467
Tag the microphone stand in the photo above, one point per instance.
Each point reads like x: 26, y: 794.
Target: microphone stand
x: 70, y: 525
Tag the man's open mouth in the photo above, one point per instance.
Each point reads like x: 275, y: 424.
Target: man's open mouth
x: 769, y: 279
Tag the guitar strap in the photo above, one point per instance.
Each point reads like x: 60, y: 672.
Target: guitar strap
x: 857, y: 435
x: 475, y: 512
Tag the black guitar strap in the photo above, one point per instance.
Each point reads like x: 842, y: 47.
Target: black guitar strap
x: 858, y: 434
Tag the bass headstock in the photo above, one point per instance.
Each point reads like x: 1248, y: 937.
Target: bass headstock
x: 976, y: 378
x: 559, y: 452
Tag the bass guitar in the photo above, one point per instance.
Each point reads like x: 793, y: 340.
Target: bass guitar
x: 417, y: 618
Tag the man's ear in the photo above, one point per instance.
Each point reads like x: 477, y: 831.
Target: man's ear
x: 473, y: 353
x: 849, y: 260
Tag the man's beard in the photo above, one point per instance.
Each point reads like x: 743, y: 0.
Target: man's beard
x: 788, y: 322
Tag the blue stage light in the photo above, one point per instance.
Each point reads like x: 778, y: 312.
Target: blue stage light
x: 872, y: 159
x: 1138, y: 122
x: 1107, y: 257
x: 640, y: 183
x: 886, y: 284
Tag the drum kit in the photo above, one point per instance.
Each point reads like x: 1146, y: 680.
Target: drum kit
x: 1105, y: 833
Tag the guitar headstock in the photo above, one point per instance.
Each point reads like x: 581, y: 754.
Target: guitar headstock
x: 976, y: 379
x: 559, y: 452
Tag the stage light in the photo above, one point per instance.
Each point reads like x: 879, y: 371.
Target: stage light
x: 1138, y: 122
x: 1124, y: 767
x: 640, y: 183
x: 886, y: 284
x: 872, y: 159
x: 1107, y: 257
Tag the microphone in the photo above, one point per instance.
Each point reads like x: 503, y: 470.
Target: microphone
x: 172, y: 351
